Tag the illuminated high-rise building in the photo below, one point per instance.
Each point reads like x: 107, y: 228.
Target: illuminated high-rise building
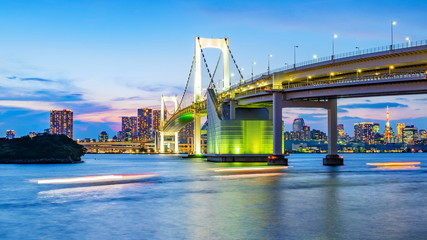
x: 145, y: 123
x: 410, y: 134
x: 130, y: 123
x: 61, y: 122
x: 399, y: 136
x: 103, y: 136
x: 10, y: 134
x: 186, y: 133
x: 298, y: 124
x: 376, y: 128
x: 363, y: 132
x: 156, y: 119
x: 387, y: 135
x: 340, y: 128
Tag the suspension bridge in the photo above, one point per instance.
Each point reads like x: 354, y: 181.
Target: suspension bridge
x: 244, y: 121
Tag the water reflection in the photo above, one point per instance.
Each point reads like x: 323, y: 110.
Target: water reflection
x: 395, y: 165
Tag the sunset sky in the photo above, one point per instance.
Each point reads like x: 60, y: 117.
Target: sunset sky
x: 104, y: 59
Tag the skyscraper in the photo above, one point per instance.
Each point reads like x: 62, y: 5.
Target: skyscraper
x: 363, y: 132
x: 410, y: 134
x: 10, y: 134
x: 145, y: 123
x: 298, y: 124
x: 400, y: 127
x: 61, y: 122
x: 130, y: 124
x: 340, y: 129
x: 156, y: 119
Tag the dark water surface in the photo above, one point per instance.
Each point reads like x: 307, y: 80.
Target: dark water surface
x: 188, y: 199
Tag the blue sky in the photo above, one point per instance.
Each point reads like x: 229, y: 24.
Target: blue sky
x: 105, y: 59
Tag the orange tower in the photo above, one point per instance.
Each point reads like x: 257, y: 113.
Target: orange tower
x: 387, y: 128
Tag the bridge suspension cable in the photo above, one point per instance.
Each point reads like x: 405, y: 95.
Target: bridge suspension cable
x: 232, y: 57
x: 186, y: 85
x: 207, y: 67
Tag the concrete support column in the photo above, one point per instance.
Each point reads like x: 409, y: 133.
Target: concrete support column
x: 277, y: 158
x: 197, y: 135
x: 233, y: 105
x: 162, y: 142
x: 332, y: 158
x: 176, y: 143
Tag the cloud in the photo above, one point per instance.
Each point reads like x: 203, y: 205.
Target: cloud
x: 35, y: 79
x: 129, y: 98
x: 374, y: 105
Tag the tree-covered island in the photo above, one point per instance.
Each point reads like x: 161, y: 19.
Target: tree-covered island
x: 44, y: 148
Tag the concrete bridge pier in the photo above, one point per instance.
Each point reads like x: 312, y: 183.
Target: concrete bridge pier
x: 176, y: 143
x: 162, y: 142
x: 332, y: 159
x: 197, y: 135
x: 277, y: 158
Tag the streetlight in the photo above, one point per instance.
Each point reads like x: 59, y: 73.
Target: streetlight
x: 295, y: 56
x: 308, y: 77
x: 254, y: 63
x: 357, y: 73
x: 409, y: 41
x: 333, y: 46
x: 268, y: 69
x: 392, y: 24
x: 315, y: 57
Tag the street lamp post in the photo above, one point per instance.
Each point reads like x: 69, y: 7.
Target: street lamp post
x: 295, y: 56
x: 268, y: 69
x: 333, y: 44
x: 392, y: 24
x: 253, y: 71
x: 357, y: 73
x: 409, y: 41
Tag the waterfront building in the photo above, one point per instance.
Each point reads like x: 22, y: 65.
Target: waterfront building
x: 422, y: 134
x: 185, y: 135
x: 298, y: 124
x: 10, y: 134
x: 61, y: 122
x: 363, y: 132
x: 145, y: 123
x: 132, y: 124
x: 376, y: 128
x: 399, y: 135
x: 156, y: 120
x: 103, y: 136
x: 410, y: 135
x: 340, y: 128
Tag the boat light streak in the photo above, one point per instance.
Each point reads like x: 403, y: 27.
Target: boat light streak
x: 394, y: 164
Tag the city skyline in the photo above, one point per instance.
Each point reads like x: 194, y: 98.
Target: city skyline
x: 106, y: 64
